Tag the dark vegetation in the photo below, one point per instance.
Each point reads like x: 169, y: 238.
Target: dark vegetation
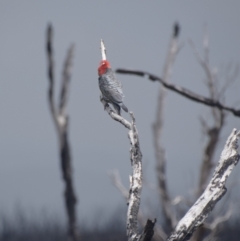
x: 46, y: 227
x: 21, y: 227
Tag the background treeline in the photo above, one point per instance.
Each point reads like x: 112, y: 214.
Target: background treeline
x: 21, y: 227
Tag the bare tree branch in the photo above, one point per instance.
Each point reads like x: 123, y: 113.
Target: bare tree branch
x: 214, y: 226
x: 135, y: 179
x: 209, y: 150
x: 219, y: 220
x: 60, y: 119
x: 211, y: 77
x: 213, y: 132
x: 213, y: 193
x: 218, y: 115
x: 51, y: 74
x: 230, y: 78
x: 169, y: 217
x: 180, y: 199
x: 66, y: 76
x: 116, y: 180
x: 159, y: 234
x: 113, y: 114
x: 148, y: 231
x: 182, y: 91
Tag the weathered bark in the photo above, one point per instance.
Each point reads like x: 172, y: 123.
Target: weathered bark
x: 69, y: 193
x: 159, y: 234
x: 61, y: 119
x: 136, y: 178
x: 213, y: 193
x: 213, y: 132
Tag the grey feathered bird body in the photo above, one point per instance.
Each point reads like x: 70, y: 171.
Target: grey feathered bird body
x: 111, y: 89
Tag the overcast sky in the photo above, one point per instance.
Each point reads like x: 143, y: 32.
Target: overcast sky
x: 136, y: 34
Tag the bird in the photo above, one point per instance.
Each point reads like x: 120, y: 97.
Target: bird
x: 110, y: 87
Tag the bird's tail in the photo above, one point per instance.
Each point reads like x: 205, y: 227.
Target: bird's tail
x: 124, y: 107
x: 118, y: 107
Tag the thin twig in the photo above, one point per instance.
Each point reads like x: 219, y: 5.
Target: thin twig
x: 214, y: 226
x: 218, y: 115
x: 219, y: 220
x: 66, y: 76
x: 49, y: 50
x: 182, y: 91
x: 116, y: 180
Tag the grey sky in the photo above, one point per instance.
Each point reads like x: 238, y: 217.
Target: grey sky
x: 136, y: 35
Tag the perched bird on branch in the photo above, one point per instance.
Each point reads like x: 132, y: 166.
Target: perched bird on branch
x: 111, y: 87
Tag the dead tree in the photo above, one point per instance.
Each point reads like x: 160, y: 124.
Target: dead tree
x: 134, y: 197
x: 168, y: 214
x: 218, y: 110
x: 213, y: 132
x: 218, y: 116
x: 61, y: 122
x: 199, y: 211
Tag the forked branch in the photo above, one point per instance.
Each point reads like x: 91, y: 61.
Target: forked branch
x: 136, y: 178
x: 60, y: 119
x: 212, y: 132
x: 159, y: 233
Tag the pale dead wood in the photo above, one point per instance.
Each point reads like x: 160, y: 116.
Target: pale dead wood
x: 159, y: 234
x: 103, y: 50
x: 213, y: 193
x: 136, y: 177
x: 218, y: 117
